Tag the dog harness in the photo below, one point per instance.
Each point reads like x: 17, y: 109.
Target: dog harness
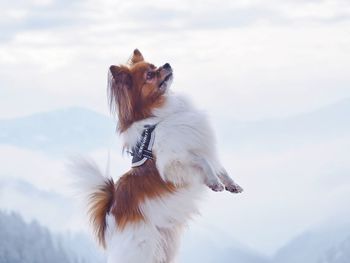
x: 143, y: 149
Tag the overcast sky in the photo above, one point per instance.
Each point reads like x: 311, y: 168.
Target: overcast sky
x: 260, y: 59
x: 245, y: 60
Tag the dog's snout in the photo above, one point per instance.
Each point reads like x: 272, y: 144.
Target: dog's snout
x: 166, y: 66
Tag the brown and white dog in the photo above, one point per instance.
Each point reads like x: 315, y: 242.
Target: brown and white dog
x: 140, y: 217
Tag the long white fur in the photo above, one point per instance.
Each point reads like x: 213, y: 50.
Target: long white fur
x: 185, y: 153
x: 87, y: 176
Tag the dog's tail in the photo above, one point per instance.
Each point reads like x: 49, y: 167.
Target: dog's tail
x: 98, y: 191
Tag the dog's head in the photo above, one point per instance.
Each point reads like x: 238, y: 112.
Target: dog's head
x: 137, y: 88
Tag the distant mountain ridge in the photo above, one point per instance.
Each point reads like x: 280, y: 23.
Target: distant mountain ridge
x: 331, y: 121
x: 315, y: 246
x: 80, y: 129
x: 60, y: 131
x: 31, y: 243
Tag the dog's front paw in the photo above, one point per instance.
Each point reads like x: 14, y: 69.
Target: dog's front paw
x: 216, y: 186
x: 234, y: 188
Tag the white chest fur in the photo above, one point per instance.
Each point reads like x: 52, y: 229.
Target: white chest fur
x: 182, y: 135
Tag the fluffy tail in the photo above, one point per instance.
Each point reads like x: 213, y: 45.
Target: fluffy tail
x: 98, y: 191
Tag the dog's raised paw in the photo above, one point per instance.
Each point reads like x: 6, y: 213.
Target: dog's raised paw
x: 217, y: 187
x: 234, y: 188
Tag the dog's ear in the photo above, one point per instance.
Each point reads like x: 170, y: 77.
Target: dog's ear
x: 119, y: 85
x: 136, y: 57
x: 120, y: 76
x: 120, y: 95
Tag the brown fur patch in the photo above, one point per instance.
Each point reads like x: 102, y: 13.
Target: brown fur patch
x: 131, y: 94
x: 99, y: 205
x: 134, y: 187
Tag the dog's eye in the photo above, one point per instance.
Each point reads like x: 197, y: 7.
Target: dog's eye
x: 150, y: 75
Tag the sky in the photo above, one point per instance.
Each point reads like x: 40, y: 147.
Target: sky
x: 239, y: 60
x: 261, y: 59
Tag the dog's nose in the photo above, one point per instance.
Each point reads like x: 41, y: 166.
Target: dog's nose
x: 167, y: 66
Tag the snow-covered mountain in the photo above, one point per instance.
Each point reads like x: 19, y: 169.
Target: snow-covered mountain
x: 61, y: 131
x: 339, y: 253
x: 329, y: 122
x: 316, y: 245
x: 79, y: 129
x: 199, y: 245
x: 48, y: 207
x: 32, y: 243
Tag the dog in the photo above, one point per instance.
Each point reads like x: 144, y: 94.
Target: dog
x: 140, y: 217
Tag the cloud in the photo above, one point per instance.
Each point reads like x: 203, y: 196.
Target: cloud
x: 258, y: 71
x: 315, y: 11
x: 209, y: 15
x: 22, y: 16
x: 131, y: 17
x: 215, y: 17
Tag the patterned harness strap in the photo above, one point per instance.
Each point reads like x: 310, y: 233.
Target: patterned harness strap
x: 143, y: 149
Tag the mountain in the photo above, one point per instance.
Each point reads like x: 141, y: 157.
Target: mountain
x: 210, y: 245
x: 51, y: 208
x: 338, y: 254
x: 78, y: 129
x: 329, y: 122
x: 61, y: 131
x: 82, y: 247
x: 31, y: 243
x: 327, y: 244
